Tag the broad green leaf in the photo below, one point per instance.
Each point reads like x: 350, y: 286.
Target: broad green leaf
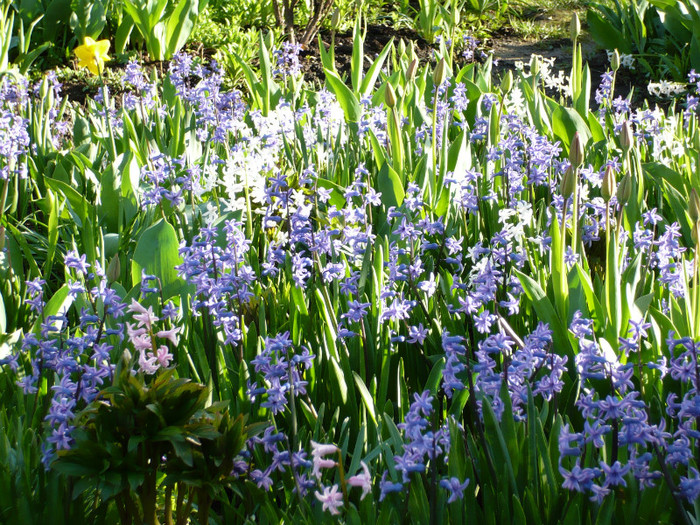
x: 157, y: 254
x: 181, y: 23
x: 346, y: 98
x: 566, y: 122
x: 545, y: 311
x: 59, y: 304
x: 390, y: 186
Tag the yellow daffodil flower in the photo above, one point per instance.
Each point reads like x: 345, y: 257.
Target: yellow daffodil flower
x: 93, y: 55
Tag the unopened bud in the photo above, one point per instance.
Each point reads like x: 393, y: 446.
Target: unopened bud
x: 507, y: 82
x: 440, y: 72
x: 695, y: 234
x: 114, y: 269
x: 576, y: 151
x: 568, y: 183
x: 575, y: 27
x: 411, y: 71
x: 608, y: 189
x: 389, y: 96
x: 335, y: 19
x: 615, y: 60
x: 44, y: 89
x: 626, y: 136
x: 624, y: 190
x: 402, y: 47
x: 694, y: 205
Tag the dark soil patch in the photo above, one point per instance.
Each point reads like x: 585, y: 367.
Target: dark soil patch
x: 378, y: 36
x: 78, y: 91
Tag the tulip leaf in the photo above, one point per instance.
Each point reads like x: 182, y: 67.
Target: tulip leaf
x: 157, y: 254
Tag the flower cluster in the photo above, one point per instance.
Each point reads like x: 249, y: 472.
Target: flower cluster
x: 617, y: 422
x: 287, y: 60
x: 76, y: 354
x: 13, y: 127
x: 281, y: 372
x: 223, y: 280
x: 424, y: 444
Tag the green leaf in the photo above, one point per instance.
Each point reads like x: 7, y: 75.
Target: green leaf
x: 157, y: 253
x: 358, y: 55
x: 390, y: 186
x: 592, y: 299
x: 566, y: 122
x: 583, y: 100
x: 59, y: 304
x: 3, y: 317
x: 373, y: 72
x: 346, y: 98
x: 518, y: 512
x: 660, y: 174
x: 500, y: 448
x: 180, y: 25
x: 613, y: 306
x: 545, y: 311
x: 604, y: 32
x: 123, y: 33
x: 418, y: 505
x: 435, y: 377
x: 366, y: 396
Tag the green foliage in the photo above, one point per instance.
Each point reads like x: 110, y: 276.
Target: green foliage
x: 138, y: 430
x: 164, y: 25
x: 88, y: 18
x: 662, y: 36
x: 163, y: 447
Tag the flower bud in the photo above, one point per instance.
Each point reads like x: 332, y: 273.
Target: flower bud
x: 335, y: 19
x: 44, y: 89
x: 114, y: 269
x: 615, y: 60
x: 695, y: 233
x: 440, y: 72
x: 575, y: 27
x: 608, y: 189
x: 626, y: 136
x: 389, y: 96
x: 402, y: 47
x: 411, y: 71
x: 576, y: 151
x: 507, y: 82
x: 568, y: 183
x: 694, y: 205
x: 624, y: 190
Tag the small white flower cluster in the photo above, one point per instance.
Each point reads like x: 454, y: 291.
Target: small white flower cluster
x: 625, y: 60
x: 544, y: 66
x: 666, y: 89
